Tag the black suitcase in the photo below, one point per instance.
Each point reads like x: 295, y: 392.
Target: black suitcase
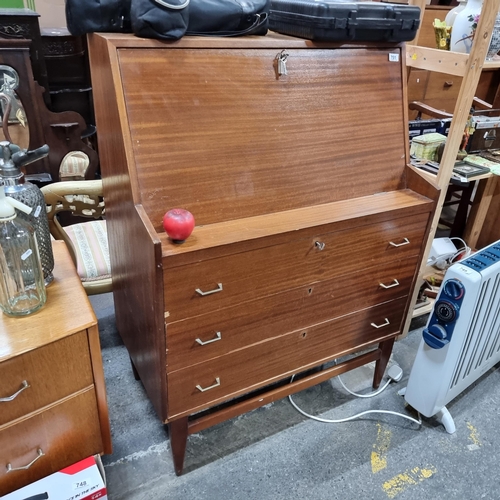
x: 344, y: 21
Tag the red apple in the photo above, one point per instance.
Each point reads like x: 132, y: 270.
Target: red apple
x: 178, y: 224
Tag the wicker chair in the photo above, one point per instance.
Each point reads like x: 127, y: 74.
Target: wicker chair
x: 87, y: 241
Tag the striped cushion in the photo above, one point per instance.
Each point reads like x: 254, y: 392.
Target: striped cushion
x: 73, y: 166
x: 91, y: 245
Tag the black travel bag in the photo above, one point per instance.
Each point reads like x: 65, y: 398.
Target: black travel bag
x: 89, y: 16
x: 344, y: 21
x: 168, y: 19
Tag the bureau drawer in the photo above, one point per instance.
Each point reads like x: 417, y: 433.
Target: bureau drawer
x: 204, y: 337
x: 43, y: 376
x: 202, y: 385
x: 217, y: 283
x: 65, y: 433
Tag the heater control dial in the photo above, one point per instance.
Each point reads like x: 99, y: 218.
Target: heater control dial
x: 438, y: 331
x: 446, y: 311
x: 436, y: 336
x: 454, y: 288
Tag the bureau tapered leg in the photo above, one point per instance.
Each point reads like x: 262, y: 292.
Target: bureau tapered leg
x: 134, y: 370
x: 381, y: 364
x: 178, y: 433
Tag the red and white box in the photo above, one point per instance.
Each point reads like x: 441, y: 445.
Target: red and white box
x: 81, y: 481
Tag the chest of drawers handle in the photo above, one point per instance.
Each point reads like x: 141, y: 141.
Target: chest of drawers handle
x: 218, y: 336
x: 320, y: 245
x: 215, y: 290
x: 40, y: 454
x: 24, y: 385
x: 387, y: 322
x: 406, y: 241
x: 392, y: 285
x: 217, y: 383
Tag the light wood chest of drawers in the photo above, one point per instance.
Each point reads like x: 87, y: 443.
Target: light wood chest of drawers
x: 310, y: 224
x: 53, y: 409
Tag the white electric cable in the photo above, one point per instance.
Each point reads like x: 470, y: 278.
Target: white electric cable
x: 459, y: 239
x: 446, y: 260
x: 341, y: 420
x: 370, y: 395
x: 465, y: 249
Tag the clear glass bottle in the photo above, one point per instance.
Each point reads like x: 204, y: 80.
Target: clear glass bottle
x: 12, y: 158
x: 22, y: 288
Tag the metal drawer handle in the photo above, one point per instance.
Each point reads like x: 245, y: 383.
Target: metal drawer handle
x: 202, y: 293
x: 24, y: 385
x: 380, y: 326
x: 319, y: 245
x: 217, y: 383
x: 40, y: 454
x: 218, y: 336
x: 406, y: 241
x: 396, y: 283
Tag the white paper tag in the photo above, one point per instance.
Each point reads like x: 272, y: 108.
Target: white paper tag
x: 394, y: 57
x: 26, y: 254
x: 37, y: 211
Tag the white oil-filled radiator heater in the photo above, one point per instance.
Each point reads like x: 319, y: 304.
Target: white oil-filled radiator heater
x: 462, y: 338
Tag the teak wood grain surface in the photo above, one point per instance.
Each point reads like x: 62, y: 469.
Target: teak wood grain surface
x: 285, y: 266
x: 230, y: 139
x: 227, y: 238
x: 59, y: 432
x: 280, y: 357
x: 302, y: 197
x: 272, y: 316
x: 52, y: 393
x: 66, y: 311
x: 70, y: 373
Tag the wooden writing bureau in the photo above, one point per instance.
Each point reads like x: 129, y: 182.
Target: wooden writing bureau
x: 310, y: 226
x: 53, y: 409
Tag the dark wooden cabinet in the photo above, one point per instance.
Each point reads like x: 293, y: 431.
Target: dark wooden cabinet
x: 309, y: 223
x: 22, y: 24
x: 62, y: 132
x: 66, y: 59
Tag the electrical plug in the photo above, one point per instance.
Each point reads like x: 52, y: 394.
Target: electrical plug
x: 395, y: 373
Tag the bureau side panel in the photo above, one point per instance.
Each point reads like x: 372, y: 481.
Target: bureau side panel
x: 135, y: 251
x: 421, y: 185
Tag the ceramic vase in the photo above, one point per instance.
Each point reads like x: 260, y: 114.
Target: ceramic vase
x: 464, y: 27
x: 452, y: 14
x: 495, y: 40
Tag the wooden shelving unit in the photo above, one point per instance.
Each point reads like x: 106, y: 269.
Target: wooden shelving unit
x: 469, y: 67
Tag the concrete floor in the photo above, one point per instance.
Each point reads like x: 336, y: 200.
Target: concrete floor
x: 276, y: 453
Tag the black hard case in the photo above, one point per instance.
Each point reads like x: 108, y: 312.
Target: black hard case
x: 344, y: 21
